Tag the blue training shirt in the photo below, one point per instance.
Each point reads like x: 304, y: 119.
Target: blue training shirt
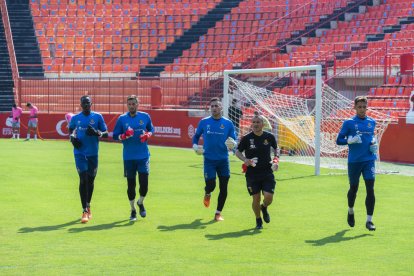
x: 79, y: 123
x: 353, y: 126
x: 215, y: 132
x: 133, y: 148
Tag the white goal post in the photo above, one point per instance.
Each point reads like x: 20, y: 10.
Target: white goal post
x: 304, y: 112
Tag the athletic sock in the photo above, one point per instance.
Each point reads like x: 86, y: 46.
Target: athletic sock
x: 350, y: 210
x: 218, y: 212
x: 28, y: 136
x: 132, y: 203
x: 369, y: 218
x: 141, y: 200
x: 35, y: 136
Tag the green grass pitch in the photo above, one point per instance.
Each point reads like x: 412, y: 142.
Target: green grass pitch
x: 41, y: 233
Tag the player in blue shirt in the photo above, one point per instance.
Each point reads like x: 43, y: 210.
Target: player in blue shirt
x: 134, y: 128
x: 85, y: 129
x: 358, y: 133
x: 219, y: 137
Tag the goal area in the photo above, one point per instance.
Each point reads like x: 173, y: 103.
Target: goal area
x: 304, y: 113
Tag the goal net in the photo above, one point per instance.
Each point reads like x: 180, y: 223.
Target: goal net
x: 304, y: 113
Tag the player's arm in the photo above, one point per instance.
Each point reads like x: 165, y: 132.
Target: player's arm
x: 198, y: 149
x: 341, y: 139
x: 148, y: 133
x: 117, y: 129
x: 72, y: 137
x: 197, y: 134
x: 248, y: 162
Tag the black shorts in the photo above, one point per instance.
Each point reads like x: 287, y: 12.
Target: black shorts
x: 266, y: 183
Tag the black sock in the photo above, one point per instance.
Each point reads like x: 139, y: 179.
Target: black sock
x: 132, y: 183
x: 223, y: 182
x: 259, y: 221
x: 370, y: 199
x: 83, y: 189
x: 143, y: 184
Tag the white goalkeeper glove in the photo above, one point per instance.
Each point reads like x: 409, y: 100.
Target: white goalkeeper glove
x: 230, y: 143
x: 354, y: 139
x: 275, y: 163
x: 198, y: 149
x: 374, y: 146
x: 254, y: 161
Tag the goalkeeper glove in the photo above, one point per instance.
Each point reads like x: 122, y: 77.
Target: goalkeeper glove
x: 128, y: 134
x: 198, y: 149
x: 91, y: 131
x: 230, y: 143
x: 144, y: 137
x: 354, y: 139
x: 275, y: 163
x: 374, y: 146
x: 250, y: 162
x: 75, y: 142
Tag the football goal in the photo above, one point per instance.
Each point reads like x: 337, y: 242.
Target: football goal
x: 304, y: 113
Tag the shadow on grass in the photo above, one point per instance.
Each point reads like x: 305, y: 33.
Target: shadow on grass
x: 337, y: 237
x: 100, y: 227
x: 237, y: 234
x: 47, y: 228
x: 196, y: 224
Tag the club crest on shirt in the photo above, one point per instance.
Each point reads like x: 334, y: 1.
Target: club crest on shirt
x: 221, y: 126
x: 252, y: 146
x: 265, y: 142
x: 369, y: 125
x: 91, y: 122
x: 141, y: 122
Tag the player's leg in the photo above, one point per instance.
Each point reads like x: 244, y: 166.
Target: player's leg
x: 253, y: 189
x: 368, y: 174
x: 92, y: 171
x: 130, y: 172
x: 34, y: 128
x: 82, y: 168
x: 14, y: 130
x: 29, y: 127
x: 354, y: 172
x: 223, y: 172
x: 210, y: 180
x: 143, y: 174
x: 268, y: 187
x: 18, y: 130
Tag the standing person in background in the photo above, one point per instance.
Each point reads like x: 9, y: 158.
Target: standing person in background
x: 257, y: 147
x: 219, y: 137
x: 85, y: 129
x: 235, y: 113
x: 68, y: 117
x: 16, y: 113
x: 134, y: 128
x: 358, y: 133
x: 33, y: 122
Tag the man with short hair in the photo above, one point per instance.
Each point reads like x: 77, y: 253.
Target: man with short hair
x: 33, y: 121
x: 16, y: 113
x: 85, y: 129
x: 134, y: 128
x: 358, y: 133
x: 258, y: 146
x: 219, y: 137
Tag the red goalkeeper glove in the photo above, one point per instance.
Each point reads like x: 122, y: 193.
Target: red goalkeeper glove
x: 128, y: 134
x: 144, y: 137
x: 275, y: 163
x: 244, y: 168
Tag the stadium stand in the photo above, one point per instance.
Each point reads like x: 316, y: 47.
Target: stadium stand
x: 128, y: 39
x: 6, y: 79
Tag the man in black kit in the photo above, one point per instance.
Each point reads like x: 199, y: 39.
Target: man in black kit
x: 257, y: 147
